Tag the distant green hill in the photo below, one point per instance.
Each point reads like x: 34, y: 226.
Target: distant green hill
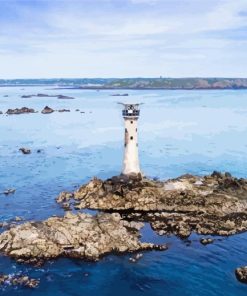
x: 134, y: 83
x: 179, y: 83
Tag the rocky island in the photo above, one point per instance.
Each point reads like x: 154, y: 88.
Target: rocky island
x: 215, y: 204
x: 75, y: 236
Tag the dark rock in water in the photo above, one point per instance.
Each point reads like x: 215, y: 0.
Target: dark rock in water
x: 5, y: 96
x: 1, y: 112
x: 241, y: 274
x: 119, y: 95
x: 215, y: 204
x: 44, y: 95
x: 206, y: 241
x: 9, y: 191
x: 47, y: 110
x: 20, y: 111
x: 62, y: 97
x: 75, y: 236
x: 26, y: 96
x: 25, y: 150
x: 77, y: 110
x: 64, y: 110
x: 39, y: 150
x: 20, y: 280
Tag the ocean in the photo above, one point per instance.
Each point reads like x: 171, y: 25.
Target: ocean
x: 180, y: 131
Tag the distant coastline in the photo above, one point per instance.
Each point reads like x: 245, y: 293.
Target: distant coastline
x: 132, y: 83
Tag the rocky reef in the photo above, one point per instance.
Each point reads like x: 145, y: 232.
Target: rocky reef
x: 18, y: 280
x: 20, y: 111
x: 214, y: 204
x: 75, y: 236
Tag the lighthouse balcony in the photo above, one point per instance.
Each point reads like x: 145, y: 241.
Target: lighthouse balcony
x: 131, y: 113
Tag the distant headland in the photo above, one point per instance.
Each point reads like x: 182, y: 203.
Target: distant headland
x: 133, y: 83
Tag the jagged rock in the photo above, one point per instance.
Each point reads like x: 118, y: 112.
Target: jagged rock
x: 20, y: 111
x: 47, y: 110
x: 20, y: 280
x: 214, y: 204
x: 64, y: 110
x: 25, y: 150
x: 1, y: 112
x: 206, y: 241
x: 66, y: 206
x: 241, y: 274
x: 76, y: 236
x: 64, y: 196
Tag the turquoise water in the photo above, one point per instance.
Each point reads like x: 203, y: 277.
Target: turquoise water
x: 179, y: 132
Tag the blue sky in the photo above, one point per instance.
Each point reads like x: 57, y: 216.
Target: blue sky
x: 123, y: 38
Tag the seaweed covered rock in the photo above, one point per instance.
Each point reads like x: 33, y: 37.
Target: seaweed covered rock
x: 77, y: 236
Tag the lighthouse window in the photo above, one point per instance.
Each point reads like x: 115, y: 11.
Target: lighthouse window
x: 131, y: 122
x: 136, y: 129
x: 126, y: 130
x: 131, y: 138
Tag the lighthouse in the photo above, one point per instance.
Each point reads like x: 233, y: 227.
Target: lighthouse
x: 130, y: 114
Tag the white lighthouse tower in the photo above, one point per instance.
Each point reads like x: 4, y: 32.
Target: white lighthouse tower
x: 131, y: 114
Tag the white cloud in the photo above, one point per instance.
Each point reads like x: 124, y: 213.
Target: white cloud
x: 172, y: 38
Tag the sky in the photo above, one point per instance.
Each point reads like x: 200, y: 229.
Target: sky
x: 123, y: 38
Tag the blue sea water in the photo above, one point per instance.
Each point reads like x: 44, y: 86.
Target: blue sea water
x: 179, y: 132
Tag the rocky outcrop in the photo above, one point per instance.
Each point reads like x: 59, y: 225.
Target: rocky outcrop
x: 214, y: 204
x: 20, y: 111
x: 18, y: 280
x: 241, y: 274
x: 76, y: 236
x: 47, y: 110
x: 25, y: 150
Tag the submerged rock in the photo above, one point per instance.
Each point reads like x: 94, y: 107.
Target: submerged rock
x: 206, y: 241
x: 214, y: 204
x: 241, y: 274
x: 47, y: 110
x: 20, y: 280
x: 75, y: 236
x: 25, y: 150
x: 9, y: 191
x: 20, y: 111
